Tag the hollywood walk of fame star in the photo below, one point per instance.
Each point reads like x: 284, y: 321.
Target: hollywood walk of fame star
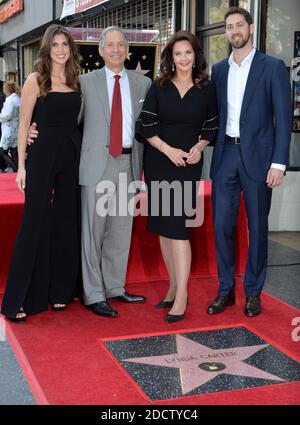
x: 199, y: 364
x: 140, y: 70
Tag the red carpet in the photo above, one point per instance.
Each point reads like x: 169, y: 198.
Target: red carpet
x: 62, y: 358
x: 145, y: 261
x: 11, y: 201
x: 65, y: 364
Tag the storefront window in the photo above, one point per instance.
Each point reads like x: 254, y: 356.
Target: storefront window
x: 215, y: 10
x: 282, y: 21
x: 245, y: 4
x: 30, y: 53
x: 215, y: 48
x: 282, y: 41
x: 10, y: 59
x: 142, y: 15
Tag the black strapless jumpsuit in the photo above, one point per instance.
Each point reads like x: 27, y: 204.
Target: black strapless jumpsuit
x: 46, y: 257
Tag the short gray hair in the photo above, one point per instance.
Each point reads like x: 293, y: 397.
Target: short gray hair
x: 107, y: 30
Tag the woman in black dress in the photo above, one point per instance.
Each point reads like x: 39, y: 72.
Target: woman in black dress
x: 179, y: 119
x: 45, y: 262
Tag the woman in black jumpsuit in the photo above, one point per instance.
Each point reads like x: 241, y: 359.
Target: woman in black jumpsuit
x: 179, y: 119
x: 45, y: 261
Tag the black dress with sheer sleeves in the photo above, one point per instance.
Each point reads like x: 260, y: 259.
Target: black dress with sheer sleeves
x: 46, y: 257
x: 178, y: 121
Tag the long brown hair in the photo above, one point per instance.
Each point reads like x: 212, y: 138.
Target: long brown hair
x: 43, y: 65
x: 11, y: 87
x: 199, y: 74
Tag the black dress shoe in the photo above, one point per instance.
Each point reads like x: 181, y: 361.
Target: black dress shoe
x: 130, y: 298
x: 220, y: 303
x: 103, y: 309
x: 172, y: 318
x: 253, y: 306
x: 165, y: 304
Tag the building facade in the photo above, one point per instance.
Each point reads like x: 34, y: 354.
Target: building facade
x: 20, y: 35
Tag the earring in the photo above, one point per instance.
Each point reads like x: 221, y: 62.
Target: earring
x: 173, y: 67
x: 194, y: 65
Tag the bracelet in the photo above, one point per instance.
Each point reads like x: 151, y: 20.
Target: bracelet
x: 160, y: 146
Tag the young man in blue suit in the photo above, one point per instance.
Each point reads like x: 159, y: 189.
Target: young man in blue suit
x: 250, y: 155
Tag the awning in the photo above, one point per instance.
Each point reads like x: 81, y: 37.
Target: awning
x: 71, y: 7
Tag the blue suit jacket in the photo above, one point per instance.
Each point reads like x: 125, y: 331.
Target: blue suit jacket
x: 266, y: 115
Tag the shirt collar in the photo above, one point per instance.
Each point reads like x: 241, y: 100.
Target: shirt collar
x: 110, y: 74
x: 247, y: 60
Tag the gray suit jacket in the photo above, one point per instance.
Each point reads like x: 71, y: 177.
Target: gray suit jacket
x: 96, y: 131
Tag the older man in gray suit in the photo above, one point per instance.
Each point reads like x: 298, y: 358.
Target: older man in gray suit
x: 112, y: 101
x: 106, y: 237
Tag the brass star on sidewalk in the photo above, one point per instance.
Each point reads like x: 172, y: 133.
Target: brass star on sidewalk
x: 199, y: 364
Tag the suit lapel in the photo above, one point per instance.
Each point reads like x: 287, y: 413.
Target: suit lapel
x: 224, y: 87
x: 255, y: 72
x: 133, y: 93
x: 101, y: 88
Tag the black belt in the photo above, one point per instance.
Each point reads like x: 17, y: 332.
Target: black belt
x: 126, y: 151
x: 232, y: 140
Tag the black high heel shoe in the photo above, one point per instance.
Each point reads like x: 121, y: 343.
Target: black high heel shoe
x: 172, y: 318
x: 58, y: 308
x: 18, y: 319
x: 165, y: 304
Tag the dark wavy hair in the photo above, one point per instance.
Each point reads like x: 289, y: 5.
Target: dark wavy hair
x: 199, y: 74
x: 43, y: 64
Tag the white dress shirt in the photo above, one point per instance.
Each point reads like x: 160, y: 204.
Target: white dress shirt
x: 237, y: 80
x: 127, y: 116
